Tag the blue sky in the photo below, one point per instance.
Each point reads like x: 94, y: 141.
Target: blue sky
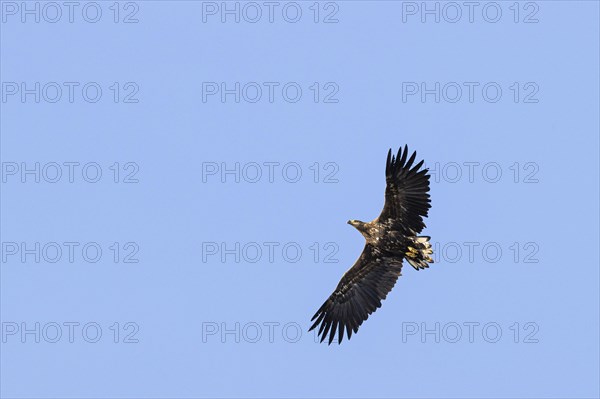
x: 176, y: 186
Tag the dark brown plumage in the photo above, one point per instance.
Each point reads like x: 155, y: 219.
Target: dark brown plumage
x: 390, y: 239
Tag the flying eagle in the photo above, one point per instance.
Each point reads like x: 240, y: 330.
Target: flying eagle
x: 390, y: 238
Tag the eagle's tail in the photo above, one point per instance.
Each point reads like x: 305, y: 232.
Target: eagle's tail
x: 419, y: 252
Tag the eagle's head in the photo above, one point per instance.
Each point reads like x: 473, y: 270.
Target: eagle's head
x: 360, y: 226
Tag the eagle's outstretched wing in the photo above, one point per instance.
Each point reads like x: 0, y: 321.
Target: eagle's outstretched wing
x: 406, y: 194
x: 359, y: 293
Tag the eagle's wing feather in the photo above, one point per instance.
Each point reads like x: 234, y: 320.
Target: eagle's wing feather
x: 359, y: 293
x: 406, y: 194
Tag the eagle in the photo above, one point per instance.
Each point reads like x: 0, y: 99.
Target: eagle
x: 390, y: 239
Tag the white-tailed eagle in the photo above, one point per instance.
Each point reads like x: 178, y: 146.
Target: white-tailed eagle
x: 390, y: 239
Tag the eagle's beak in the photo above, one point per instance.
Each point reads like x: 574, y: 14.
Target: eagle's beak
x: 352, y: 222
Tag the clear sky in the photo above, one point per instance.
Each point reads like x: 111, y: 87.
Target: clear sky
x: 176, y: 186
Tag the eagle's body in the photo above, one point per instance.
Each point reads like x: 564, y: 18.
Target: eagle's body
x: 390, y: 239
